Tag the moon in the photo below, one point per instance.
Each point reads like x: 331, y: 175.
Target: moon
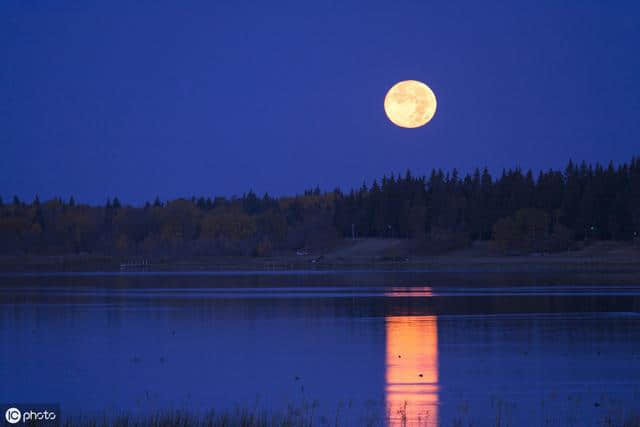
x: 410, y: 104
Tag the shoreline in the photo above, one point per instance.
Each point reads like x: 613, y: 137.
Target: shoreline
x: 369, y: 254
x: 436, y: 264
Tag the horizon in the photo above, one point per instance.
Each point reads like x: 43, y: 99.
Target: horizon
x: 344, y: 189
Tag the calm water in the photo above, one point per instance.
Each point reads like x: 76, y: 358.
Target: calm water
x: 355, y: 346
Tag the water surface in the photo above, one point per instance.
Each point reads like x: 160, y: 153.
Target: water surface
x: 355, y: 346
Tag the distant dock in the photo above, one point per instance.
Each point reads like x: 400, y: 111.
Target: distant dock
x: 136, y: 265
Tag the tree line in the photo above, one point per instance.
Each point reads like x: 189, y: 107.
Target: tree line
x: 516, y: 211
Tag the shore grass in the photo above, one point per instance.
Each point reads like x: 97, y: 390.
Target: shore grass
x: 306, y: 416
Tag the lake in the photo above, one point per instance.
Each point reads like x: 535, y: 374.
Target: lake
x: 349, y: 348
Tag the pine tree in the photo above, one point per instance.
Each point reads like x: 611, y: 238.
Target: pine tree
x: 202, y: 203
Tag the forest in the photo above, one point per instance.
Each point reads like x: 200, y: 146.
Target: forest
x: 516, y: 211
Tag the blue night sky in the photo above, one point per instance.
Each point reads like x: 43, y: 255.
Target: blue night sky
x: 142, y: 98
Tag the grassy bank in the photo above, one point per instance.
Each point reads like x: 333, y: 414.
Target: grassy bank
x: 295, y: 417
x: 366, y: 254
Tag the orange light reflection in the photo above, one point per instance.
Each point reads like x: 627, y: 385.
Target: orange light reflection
x: 413, y: 291
x: 412, y: 370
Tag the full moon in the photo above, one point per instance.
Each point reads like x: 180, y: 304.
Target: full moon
x: 410, y: 104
